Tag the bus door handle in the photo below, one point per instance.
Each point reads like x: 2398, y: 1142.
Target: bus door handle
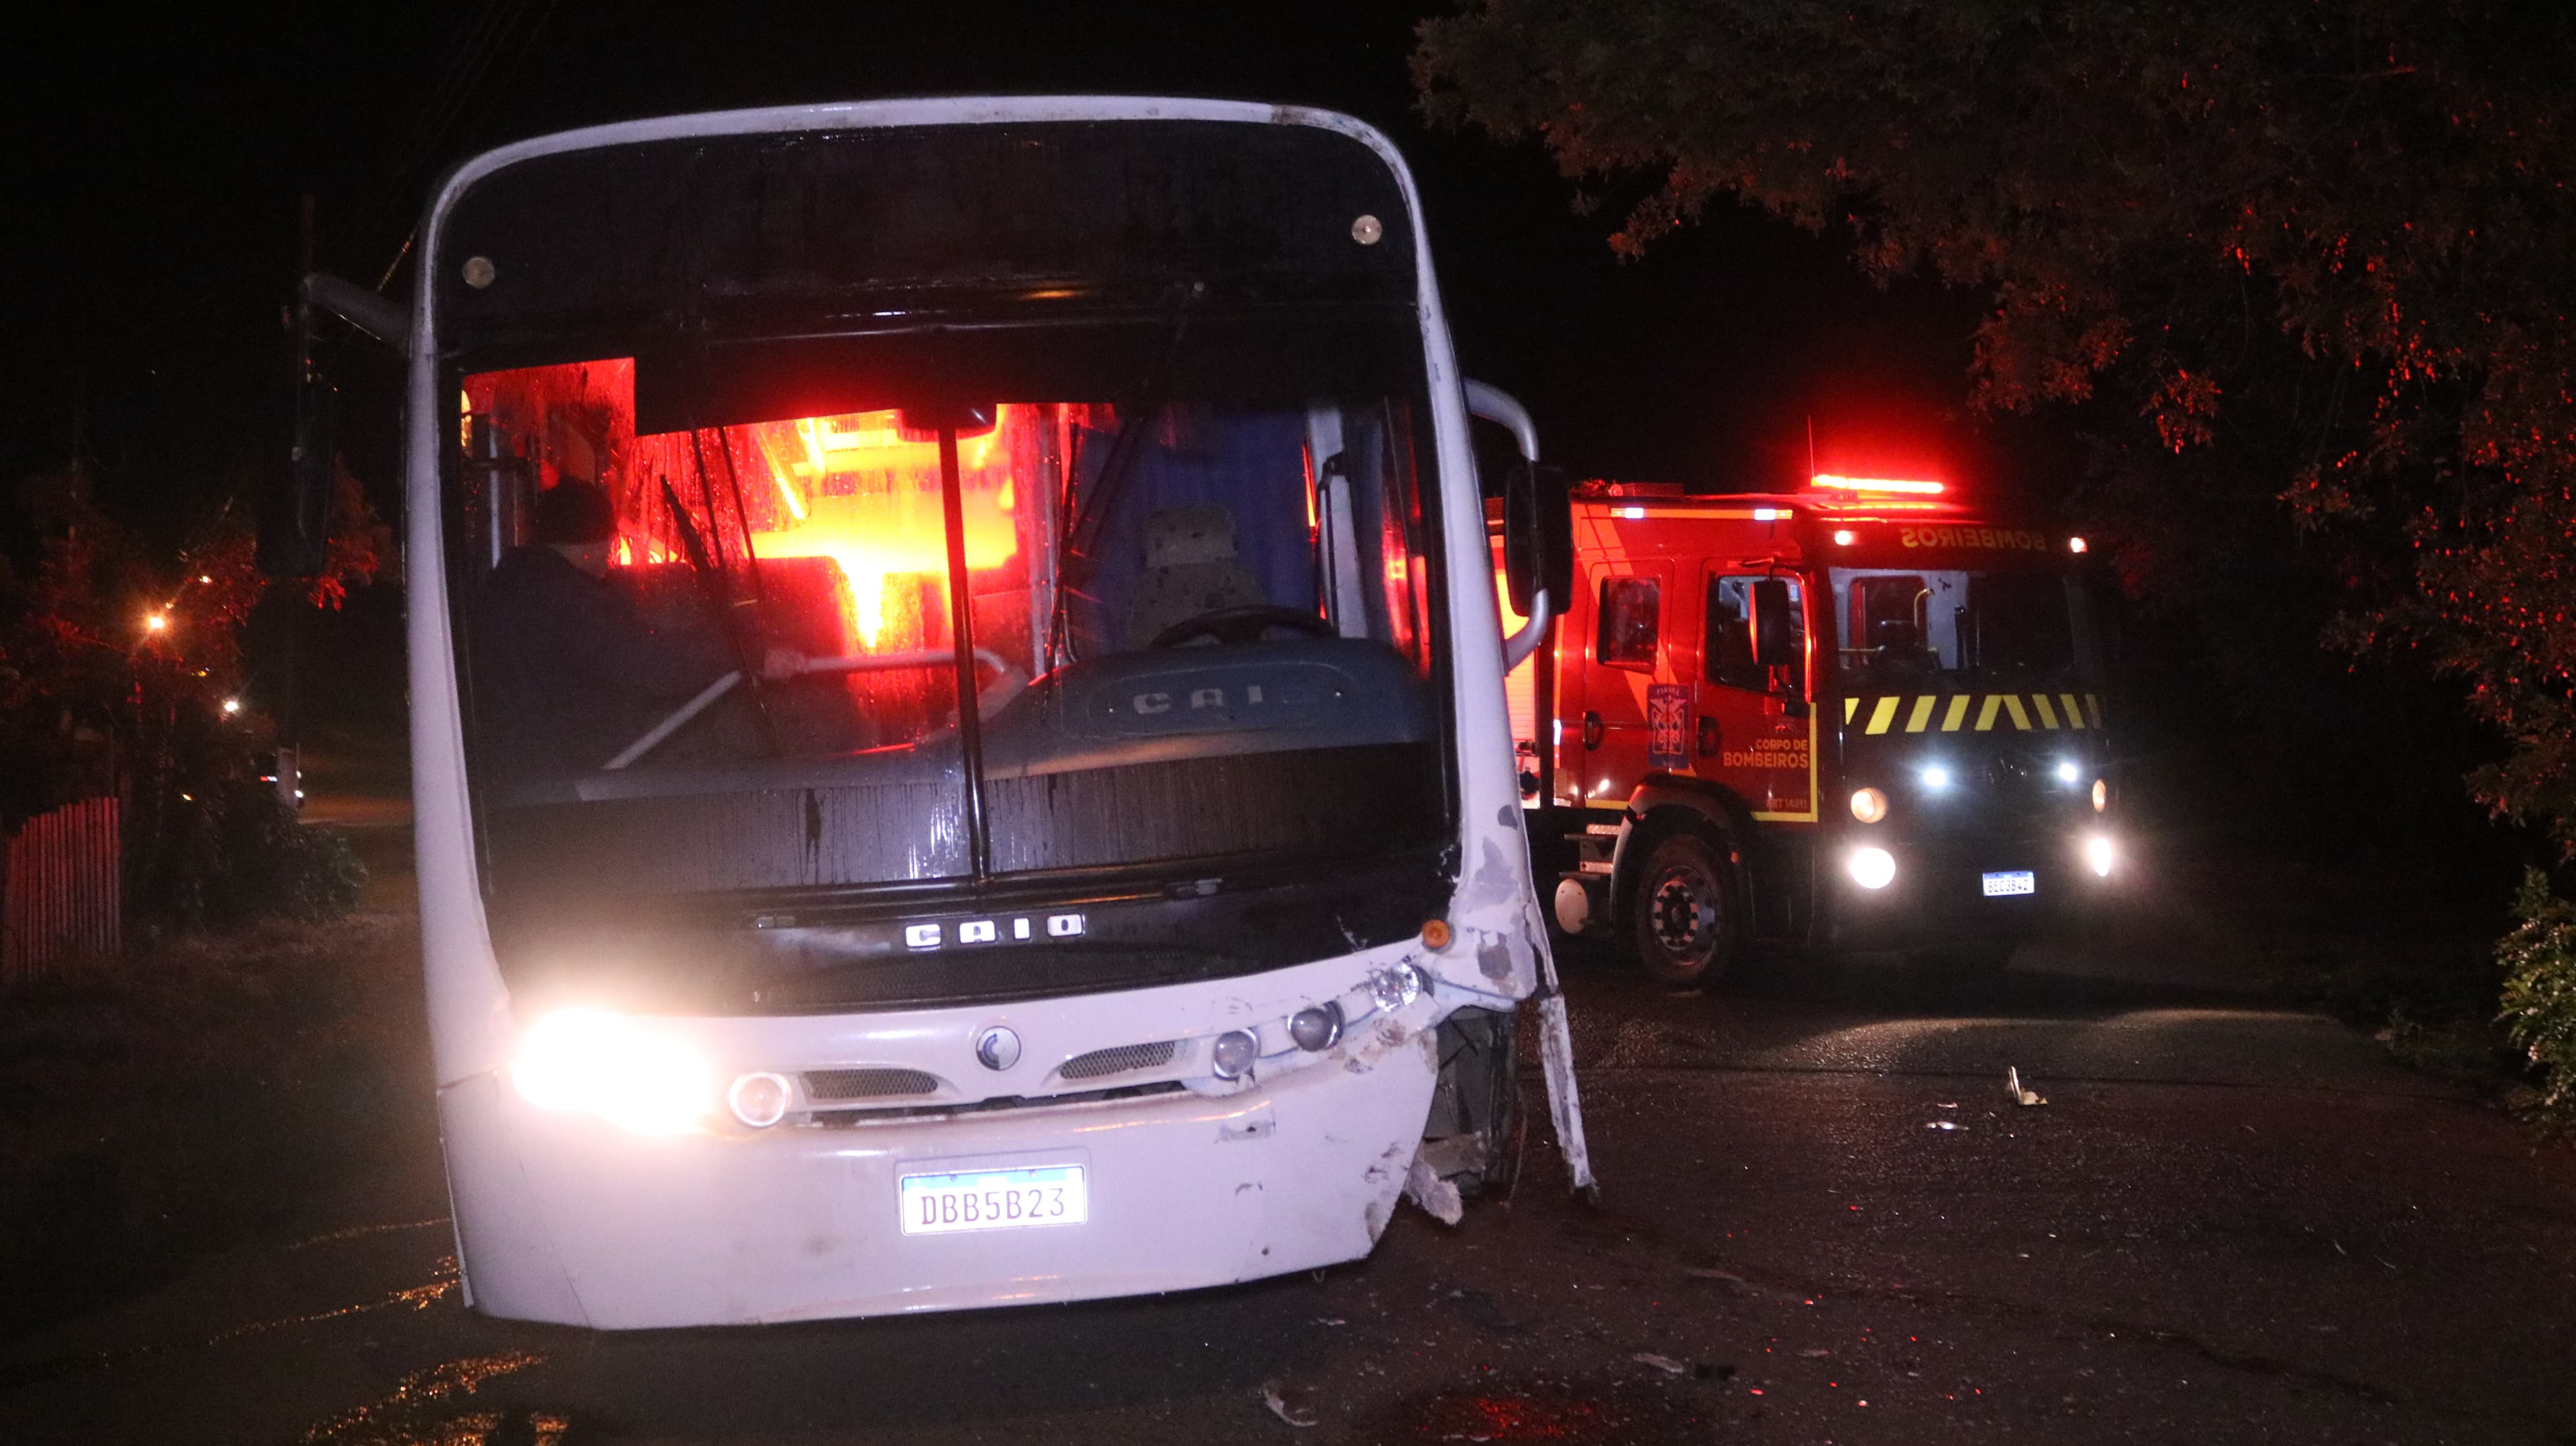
x: 1707, y: 736
x: 1591, y: 730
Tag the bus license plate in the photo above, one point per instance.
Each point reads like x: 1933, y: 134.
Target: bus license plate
x: 993, y: 1200
x: 2011, y: 881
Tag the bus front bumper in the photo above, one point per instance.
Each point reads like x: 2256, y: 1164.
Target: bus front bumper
x: 569, y: 1218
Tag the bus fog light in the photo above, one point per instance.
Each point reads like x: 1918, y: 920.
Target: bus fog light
x: 1395, y: 987
x: 759, y: 1100
x: 1869, y: 805
x: 1872, y: 868
x: 1232, y: 1058
x: 2100, y: 855
x: 589, y: 1061
x: 2101, y: 794
x: 1317, y: 1027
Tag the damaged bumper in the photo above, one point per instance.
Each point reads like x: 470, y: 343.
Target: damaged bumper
x: 567, y: 1216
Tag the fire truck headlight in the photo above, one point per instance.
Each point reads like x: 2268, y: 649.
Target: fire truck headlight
x: 1872, y: 868
x: 1869, y: 805
x: 594, y: 1062
x: 2101, y: 794
x: 2100, y: 855
x: 2067, y: 772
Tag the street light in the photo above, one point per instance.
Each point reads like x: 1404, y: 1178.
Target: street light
x: 156, y: 622
x: 231, y: 706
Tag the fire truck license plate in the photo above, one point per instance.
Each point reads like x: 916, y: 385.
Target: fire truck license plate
x: 2011, y: 881
x: 993, y: 1200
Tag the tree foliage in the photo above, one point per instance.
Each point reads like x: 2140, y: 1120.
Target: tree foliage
x: 2312, y: 255
x: 2539, y: 995
x: 117, y: 666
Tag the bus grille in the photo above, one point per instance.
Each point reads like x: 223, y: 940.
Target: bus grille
x: 867, y: 1084
x: 1122, y: 1060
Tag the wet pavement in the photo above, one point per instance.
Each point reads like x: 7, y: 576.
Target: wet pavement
x: 1823, y: 1221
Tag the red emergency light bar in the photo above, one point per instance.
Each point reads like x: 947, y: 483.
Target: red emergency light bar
x: 1832, y: 483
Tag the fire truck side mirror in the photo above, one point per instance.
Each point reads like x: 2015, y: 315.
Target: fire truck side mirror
x: 1774, y: 623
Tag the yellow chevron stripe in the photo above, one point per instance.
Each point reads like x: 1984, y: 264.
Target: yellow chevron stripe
x: 2055, y: 710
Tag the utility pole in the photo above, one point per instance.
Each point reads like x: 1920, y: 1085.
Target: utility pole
x: 309, y: 459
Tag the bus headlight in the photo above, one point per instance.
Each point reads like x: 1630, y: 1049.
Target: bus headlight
x: 1233, y: 1054
x: 759, y: 1099
x: 2100, y: 855
x: 1872, y: 868
x: 1869, y: 805
x: 594, y: 1062
x: 1317, y: 1027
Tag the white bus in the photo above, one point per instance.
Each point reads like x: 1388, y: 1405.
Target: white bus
x: 957, y: 710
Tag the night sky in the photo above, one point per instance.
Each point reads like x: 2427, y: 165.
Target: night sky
x: 154, y: 166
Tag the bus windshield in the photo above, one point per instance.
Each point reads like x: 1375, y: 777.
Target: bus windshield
x: 1922, y: 627
x: 726, y: 657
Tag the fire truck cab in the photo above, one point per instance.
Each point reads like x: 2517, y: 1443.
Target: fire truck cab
x: 1861, y: 717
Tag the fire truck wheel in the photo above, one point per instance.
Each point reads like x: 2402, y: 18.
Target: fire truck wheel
x: 1683, y: 915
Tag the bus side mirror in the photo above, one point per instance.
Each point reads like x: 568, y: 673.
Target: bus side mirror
x: 1524, y: 573
x: 295, y: 518
x: 1552, y: 531
x: 1538, y: 524
x: 1538, y: 534
x: 1775, y: 640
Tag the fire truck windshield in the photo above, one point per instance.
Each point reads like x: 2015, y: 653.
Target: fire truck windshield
x: 727, y: 659
x: 1916, y: 627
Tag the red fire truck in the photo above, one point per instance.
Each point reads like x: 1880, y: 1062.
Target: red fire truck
x: 1860, y: 717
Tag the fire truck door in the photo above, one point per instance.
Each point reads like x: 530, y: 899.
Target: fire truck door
x: 1751, y: 732
x: 1609, y: 722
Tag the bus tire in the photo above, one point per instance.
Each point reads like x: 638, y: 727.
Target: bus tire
x: 1684, y: 917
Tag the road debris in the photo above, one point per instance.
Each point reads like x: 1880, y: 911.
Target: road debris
x: 1438, y: 1198
x: 1814, y: 1353
x: 1483, y: 1312
x: 2020, y: 1096
x: 1665, y: 1364
x: 1943, y: 1125
x: 1273, y: 1396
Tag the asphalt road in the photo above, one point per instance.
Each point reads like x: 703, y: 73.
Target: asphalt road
x: 1823, y: 1221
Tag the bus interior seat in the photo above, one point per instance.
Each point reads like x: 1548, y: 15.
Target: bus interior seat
x: 1191, y: 568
